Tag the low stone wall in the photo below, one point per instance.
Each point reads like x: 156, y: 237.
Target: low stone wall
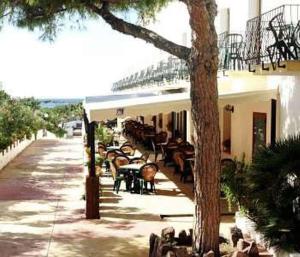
x: 12, y: 151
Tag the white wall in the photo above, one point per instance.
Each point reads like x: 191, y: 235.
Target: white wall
x: 11, y: 152
x: 242, y: 126
x: 289, y: 89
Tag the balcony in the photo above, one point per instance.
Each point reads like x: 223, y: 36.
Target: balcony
x: 231, y: 51
x: 166, y: 72
x: 272, y: 38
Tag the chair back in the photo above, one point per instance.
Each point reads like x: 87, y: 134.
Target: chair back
x: 128, y: 149
x: 178, y: 158
x: 148, y: 171
x: 101, y: 150
x: 227, y: 162
x: 145, y: 156
x: 111, y: 154
x: 161, y: 137
x: 101, y: 144
x: 137, y: 160
x: 120, y: 160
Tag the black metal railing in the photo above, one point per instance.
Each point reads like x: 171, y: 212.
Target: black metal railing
x: 273, y: 37
x: 165, y: 72
x: 231, y: 51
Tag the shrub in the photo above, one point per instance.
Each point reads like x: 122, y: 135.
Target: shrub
x: 269, y: 192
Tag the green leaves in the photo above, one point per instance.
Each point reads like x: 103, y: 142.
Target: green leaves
x: 24, y: 117
x: 269, y: 191
x: 50, y: 16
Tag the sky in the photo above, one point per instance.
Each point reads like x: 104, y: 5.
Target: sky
x: 87, y: 62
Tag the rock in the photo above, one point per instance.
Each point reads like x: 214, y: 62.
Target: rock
x: 164, y: 249
x: 236, y: 234
x: 168, y: 234
x: 182, y: 238
x: 170, y: 254
x: 209, y: 254
x: 181, y: 252
x: 156, y: 248
x: 152, y: 239
x: 252, y: 250
x: 239, y: 254
x: 242, y: 244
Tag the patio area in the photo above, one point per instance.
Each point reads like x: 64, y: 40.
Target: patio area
x: 42, y: 211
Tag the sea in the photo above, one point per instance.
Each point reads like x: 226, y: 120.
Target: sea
x: 51, y: 103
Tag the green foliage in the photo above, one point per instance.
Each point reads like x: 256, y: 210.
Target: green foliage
x: 50, y: 16
x: 274, y: 192
x: 17, y: 120
x: 233, y: 181
x: 55, y: 117
x: 269, y: 192
x: 103, y: 135
x: 21, y: 118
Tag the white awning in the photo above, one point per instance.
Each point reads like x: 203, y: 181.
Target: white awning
x: 111, y: 106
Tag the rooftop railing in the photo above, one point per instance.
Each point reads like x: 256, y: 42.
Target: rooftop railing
x: 165, y: 72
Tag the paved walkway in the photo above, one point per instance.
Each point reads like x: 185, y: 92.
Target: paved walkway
x: 42, y: 211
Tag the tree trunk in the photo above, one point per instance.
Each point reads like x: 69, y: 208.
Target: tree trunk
x: 204, y: 97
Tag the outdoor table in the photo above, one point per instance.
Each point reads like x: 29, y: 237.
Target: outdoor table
x: 169, y: 153
x: 131, y: 171
x: 189, y: 154
x: 133, y: 167
x: 113, y: 147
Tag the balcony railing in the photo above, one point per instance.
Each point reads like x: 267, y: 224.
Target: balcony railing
x: 273, y: 37
x: 165, y: 72
x: 231, y: 51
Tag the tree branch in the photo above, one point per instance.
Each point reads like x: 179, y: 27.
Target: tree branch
x: 136, y: 31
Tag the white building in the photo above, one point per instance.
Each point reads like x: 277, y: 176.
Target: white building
x: 258, y: 81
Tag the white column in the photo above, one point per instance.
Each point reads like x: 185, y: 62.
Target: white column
x: 224, y: 20
x: 254, y: 8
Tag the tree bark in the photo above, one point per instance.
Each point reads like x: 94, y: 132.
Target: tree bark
x: 204, y: 97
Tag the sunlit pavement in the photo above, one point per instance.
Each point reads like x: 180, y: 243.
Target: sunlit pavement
x: 42, y: 211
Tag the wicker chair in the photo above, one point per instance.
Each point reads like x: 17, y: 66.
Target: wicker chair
x: 128, y: 149
x: 137, y: 160
x: 146, y: 175
x: 102, y: 150
x: 145, y: 156
x: 118, y: 161
x: 182, y: 166
x: 110, y: 155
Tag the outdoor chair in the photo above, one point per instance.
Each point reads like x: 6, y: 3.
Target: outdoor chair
x: 145, y: 156
x: 187, y: 149
x: 118, y: 161
x: 169, y: 149
x: 158, y: 142
x: 233, y: 51
x: 284, y: 48
x: 182, y: 166
x: 137, y: 160
x: 101, y: 150
x: 128, y: 149
x: 110, y: 155
x: 227, y: 162
x: 146, y: 175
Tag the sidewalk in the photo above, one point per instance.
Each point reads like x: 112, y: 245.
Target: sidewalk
x: 42, y: 214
